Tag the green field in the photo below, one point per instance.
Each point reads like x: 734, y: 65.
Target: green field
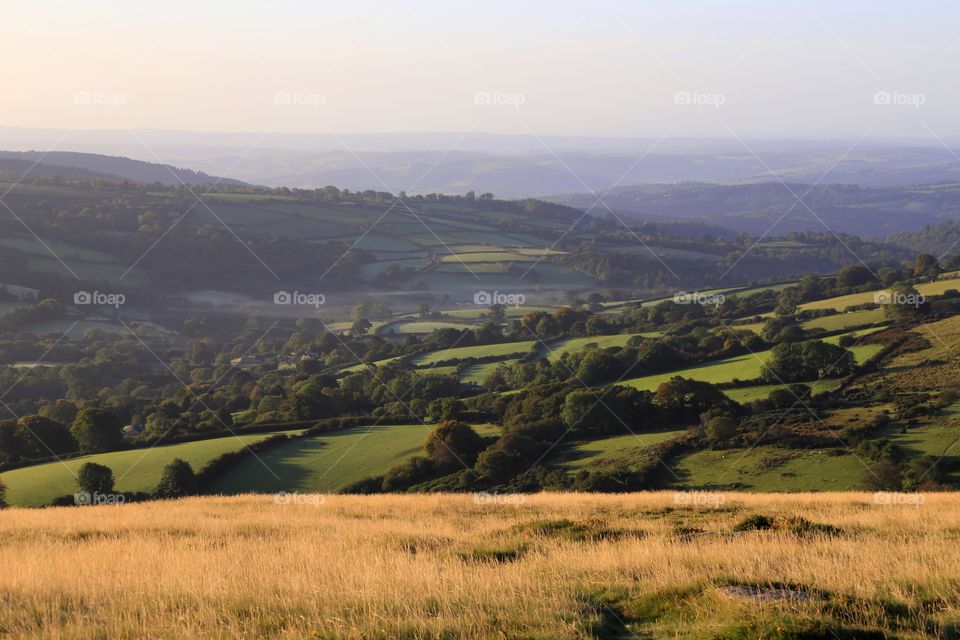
x: 745, y: 367
x: 842, y: 321
x: 504, y: 350
x: 769, y: 468
x: 477, y: 373
x: 422, y: 326
x: 760, y: 392
x: 328, y: 462
x: 134, y: 470
x: 842, y: 302
x: 583, y: 453
x: 571, y: 345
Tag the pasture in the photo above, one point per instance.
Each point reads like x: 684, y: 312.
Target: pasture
x: 133, y: 470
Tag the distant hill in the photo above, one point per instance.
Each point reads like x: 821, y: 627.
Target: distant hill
x: 89, y: 166
x: 754, y: 208
x: 937, y: 239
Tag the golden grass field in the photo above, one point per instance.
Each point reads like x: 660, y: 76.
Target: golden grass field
x: 548, y: 566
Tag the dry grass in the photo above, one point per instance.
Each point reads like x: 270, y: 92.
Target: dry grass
x: 446, y: 566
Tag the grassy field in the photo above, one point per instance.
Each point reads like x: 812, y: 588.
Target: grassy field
x: 759, y: 392
x: 745, y: 367
x: 557, y: 349
x: 134, y: 470
x: 328, y: 462
x: 842, y: 302
x: 504, y: 350
x: 584, y: 453
x: 768, y: 468
x: 841, y: 321
x: 547, y: 566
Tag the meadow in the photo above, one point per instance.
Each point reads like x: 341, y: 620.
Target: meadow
x: 545, y: 566
x: 328, y: 462
x: 745, y: 367
x: 134, y: 470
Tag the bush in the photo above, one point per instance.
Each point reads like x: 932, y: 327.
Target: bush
x: 177, y: 480
x: 95, y: 478
x: 408, y: 474
x: 721, y: 432
x: 882, y: 475
x: 453, y: 444
x: 755, y: 522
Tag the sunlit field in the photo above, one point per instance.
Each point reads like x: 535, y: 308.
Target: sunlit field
x: 652, y: 565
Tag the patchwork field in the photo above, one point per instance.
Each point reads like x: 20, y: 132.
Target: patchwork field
x: 578, y: 567
x: 745, y: 367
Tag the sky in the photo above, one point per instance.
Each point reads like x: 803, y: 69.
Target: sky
x: 697, y: 68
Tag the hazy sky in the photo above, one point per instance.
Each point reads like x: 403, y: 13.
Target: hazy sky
x: 610, y: 67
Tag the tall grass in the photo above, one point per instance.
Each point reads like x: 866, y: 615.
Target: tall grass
x: 450, y: 566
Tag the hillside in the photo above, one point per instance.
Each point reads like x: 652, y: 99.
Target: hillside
x: 150, y: 242
x: 70, y: 165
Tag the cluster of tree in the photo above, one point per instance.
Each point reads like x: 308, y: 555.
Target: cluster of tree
x: 33, y: 438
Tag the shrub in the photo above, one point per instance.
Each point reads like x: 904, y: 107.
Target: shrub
x: 453, y: 444
x: 177, y: 480
x: 720, y: 432
x: 95, y: 478
x: 755, y: 522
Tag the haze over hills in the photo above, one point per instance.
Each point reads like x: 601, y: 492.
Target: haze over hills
x: 510, y: 166
x: 774, y: 208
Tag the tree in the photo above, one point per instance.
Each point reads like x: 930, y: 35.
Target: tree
x: 855, y: 276
x: 720, y: 431
x: 360, y: 328
x: 810, y: 360
x: 903, y: 303
x: 499, y: 464
x: 3, y: 495
x: 445, y: 409
x: 11, y: 442
x: 926, y: 266
x: 882, y: 475
x: 452, y: 444
x: 94, y: 479
x: 62, y: 411
x: 177, y: 480
x: 44, y: 438
x: 97, y: 430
